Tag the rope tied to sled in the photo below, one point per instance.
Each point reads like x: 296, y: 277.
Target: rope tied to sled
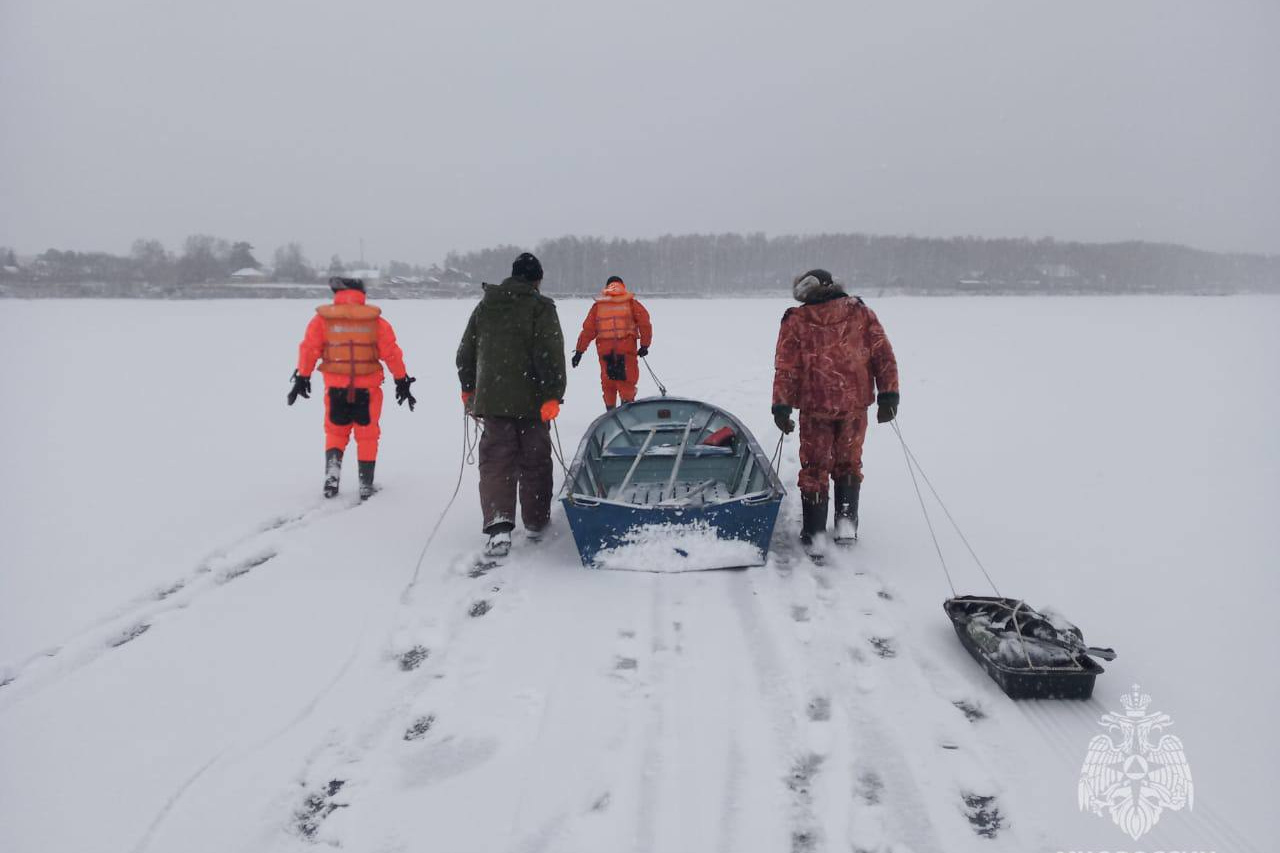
x: 913, y: 465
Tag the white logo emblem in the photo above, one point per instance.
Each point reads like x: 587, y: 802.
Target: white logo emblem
x: 1129, y: 776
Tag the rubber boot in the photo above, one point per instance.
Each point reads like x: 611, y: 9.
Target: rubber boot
x: 813, y: 535
x: 366, y: 479
x: 499, y: 544
x: 847, y: 489
x: 332, y: 472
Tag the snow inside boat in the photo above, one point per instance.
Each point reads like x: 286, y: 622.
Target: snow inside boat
x: 1030, y: 654
x: 670, y: 484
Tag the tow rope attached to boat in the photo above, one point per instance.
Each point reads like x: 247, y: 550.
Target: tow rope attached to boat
x: 470, y: 441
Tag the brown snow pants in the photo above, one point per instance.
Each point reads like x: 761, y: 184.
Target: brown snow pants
x: 830, y: 448
x: 515, y: 455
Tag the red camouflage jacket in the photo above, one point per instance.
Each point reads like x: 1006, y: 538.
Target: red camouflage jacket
x: 832, y: 358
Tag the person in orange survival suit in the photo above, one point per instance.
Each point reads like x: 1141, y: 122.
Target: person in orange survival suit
x: 350, y: 339
x: 615, y: 322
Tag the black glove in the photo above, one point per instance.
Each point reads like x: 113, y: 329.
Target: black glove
x: 642, y: 352
x: 301, y: 388
x: 577, y: 357
x: 782, y: 417
x: 402, y: 392
x: 886, y: 406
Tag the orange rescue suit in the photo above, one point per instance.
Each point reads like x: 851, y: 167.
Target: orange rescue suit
x: 351, y: 340
x: 616, y: 322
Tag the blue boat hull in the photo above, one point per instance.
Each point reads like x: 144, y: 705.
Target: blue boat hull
x: 671, y: 484
x: 607, y: 526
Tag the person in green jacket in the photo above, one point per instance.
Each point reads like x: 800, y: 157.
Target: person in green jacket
x: 511, y: 368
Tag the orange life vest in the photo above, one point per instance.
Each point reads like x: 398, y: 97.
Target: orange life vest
x: 350, y: 339
x: 614, y: 320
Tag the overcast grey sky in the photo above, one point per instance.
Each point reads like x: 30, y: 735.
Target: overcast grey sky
x: 423, y: 126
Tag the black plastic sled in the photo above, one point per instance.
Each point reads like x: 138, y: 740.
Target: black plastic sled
x: 1030, y: 655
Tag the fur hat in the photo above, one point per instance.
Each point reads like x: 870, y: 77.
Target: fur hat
x: 815, y: 286
x: 527, y: 268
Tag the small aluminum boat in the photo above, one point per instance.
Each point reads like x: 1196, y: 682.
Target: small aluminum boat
x: 671, y: 484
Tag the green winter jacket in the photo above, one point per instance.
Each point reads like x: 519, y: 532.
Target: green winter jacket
x: 512, y: 353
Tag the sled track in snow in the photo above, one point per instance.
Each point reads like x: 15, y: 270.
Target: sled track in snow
x: 856, y: 642
x: 128, y: 623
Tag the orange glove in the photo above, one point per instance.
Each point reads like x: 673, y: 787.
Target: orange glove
x: 550, y: 410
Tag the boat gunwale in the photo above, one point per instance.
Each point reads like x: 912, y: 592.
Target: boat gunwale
x: 774, y: 488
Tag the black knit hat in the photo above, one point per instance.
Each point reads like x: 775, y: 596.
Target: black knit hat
x: 337, y: 283
x: 527, y: 268
x: 614, y: 278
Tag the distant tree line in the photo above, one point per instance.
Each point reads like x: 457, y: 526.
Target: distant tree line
x: 695, y: 265
x: 724, y: 264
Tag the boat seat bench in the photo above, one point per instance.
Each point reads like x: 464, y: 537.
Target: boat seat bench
x: 648, y: 494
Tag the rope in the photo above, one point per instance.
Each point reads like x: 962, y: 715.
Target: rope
x: 470, y: 440
x: 558, y: 450
x: 910, y: 470
x: 776, y: 459
x: 911, y: 460
x: 662, y: 389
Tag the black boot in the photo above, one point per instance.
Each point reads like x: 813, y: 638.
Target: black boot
x: 332, y: 472
x: 814, y: 533
x: 847, y: 489
x: 366, y: 479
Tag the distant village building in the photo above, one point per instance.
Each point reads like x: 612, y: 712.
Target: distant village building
x: 248, y: 275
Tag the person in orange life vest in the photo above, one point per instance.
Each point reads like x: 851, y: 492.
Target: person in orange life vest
x: 350, y: 339
x: 616, y: 322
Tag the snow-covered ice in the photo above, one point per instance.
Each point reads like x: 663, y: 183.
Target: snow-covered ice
x: 199, y: 654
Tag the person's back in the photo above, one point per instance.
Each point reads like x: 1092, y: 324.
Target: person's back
x: 831, y: 360
x: 620, y: 326
x: 351, y: 340
x: 511, y: 369
x: 514, y: 359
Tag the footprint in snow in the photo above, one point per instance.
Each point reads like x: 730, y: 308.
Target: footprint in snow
x: 622, y: 664
x: 413, y: 658
x: 316, y: 808
x: 601, y: 803
x: 971, y: 711
x: 799, y: 613
x: 803, y: 772
x: 804, y: 840
x: 883, y: 646
x: 870, y: 787
x: 420, y: 727
x: 983, y: 814
x: 885, y: 594
x: 819, y: 709
x: 481, y: 568
x: 130, y: 635
x: 168, y: 591
x: 479, y: 609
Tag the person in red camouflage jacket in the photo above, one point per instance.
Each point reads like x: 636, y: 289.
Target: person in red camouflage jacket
x: 832, y: 358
